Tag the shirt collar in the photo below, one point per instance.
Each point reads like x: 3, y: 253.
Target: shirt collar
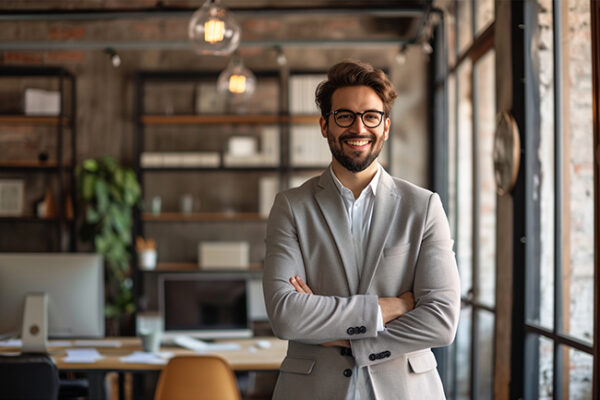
x: 344, y: 190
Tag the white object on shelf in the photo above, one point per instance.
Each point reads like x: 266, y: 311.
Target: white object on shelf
x: 224, y: 255
x: 241, y: 146
x: 147, y: 259
x: 42, y: 102
x: 11, y: 197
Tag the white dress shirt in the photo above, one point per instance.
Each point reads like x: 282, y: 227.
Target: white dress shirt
x: 359, y: 212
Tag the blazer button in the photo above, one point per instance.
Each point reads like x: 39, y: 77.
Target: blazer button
x: 372, y: 357
x: 350, y: 331
x: 387, y: 354
x: 347, y: 373
x: 363, y: 329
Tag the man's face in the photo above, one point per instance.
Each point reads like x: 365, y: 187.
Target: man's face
x: 356, y: 146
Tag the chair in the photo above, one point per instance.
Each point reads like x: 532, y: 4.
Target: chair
x: 198, y: 378
x: 28, y: 376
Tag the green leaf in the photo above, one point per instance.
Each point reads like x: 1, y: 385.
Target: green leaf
x: 90, y: 165
x: 87, y: 184
x: 101, y: 192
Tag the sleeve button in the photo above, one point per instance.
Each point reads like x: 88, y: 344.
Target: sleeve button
x: 350, y: 331
x: 347, y: 373
x: 372, y: 357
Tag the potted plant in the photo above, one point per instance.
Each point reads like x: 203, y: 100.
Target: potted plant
x: 108, y: 193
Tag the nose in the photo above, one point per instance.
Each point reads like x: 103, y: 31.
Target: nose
x: 358, y: 124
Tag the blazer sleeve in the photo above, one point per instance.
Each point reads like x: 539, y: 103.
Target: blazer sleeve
x: 436, y: 287
x: 307, y: 318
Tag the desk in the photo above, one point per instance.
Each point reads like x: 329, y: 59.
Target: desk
x: 244, y: 359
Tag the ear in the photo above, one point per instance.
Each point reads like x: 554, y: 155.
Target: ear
x: 386, y: 129
x: 323, y: 123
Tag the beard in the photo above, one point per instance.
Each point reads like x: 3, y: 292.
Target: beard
x: 355, y: 161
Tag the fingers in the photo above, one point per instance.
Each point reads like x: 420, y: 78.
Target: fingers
x: 299, y: 285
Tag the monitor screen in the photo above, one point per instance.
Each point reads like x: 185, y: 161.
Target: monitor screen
x: 72, y: 282
x: 204, y: 305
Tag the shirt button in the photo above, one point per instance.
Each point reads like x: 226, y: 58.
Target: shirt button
x: 347, y: 373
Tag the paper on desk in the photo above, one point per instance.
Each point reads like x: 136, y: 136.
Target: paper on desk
x: 140, y: 357
x: 97, y: 343
x: 18, y: 343
x: 10, y: 343
x: 82, y: 356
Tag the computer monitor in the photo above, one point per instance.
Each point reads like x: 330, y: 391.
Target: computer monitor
x: 73, y: 284
x: 204, y: 305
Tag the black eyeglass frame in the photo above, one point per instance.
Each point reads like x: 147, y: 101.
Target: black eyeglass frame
x: 335, y: 113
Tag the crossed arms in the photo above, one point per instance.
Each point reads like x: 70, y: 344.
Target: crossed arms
x: 298, y: 315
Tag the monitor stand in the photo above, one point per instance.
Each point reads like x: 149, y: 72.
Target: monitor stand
x: 34, y: 333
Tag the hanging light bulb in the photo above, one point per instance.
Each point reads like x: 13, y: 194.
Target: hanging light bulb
x: 213, y: 30
x: 236, y: 80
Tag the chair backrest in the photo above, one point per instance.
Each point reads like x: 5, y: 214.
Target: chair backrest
x: 28, y: 376
x: 197, y: 377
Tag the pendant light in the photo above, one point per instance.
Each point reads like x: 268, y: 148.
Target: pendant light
x: 236, y: 80
x: 213, y: 30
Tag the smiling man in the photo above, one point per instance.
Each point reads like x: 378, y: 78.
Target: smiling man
x: 360, y: 275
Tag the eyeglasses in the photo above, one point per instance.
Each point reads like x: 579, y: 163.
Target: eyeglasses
x: 345, y: 118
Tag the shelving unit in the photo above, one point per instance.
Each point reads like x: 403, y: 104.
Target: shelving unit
x: 59, y: 165
x: 229, y: 210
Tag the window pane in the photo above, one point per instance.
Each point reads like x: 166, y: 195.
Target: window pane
x: 452, y: 155
x: 485, y: 15
x: 546, y: 368
x: 451, y: 32
x: 543, y: 52
x: 486, y: 118
x: 580, y: 368
x: 463, y: 355
x: 485, y: 355
x: 464, y: 23
x: 578, y: 168
x: 464, y: 237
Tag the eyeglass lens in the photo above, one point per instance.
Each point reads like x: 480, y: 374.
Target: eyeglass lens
x: 345, y: 118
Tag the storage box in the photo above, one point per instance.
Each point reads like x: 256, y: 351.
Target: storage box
x: 223, y: 255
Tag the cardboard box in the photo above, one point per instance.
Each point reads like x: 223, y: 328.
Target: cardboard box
x: 223, y: 255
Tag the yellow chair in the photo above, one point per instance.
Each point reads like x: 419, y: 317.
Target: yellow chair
x: 197, y: 377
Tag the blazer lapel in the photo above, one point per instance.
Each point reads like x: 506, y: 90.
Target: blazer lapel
x: 332, y: 207
x: 387, y: 202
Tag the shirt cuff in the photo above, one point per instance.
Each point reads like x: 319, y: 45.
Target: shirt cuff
x: 380, y: 326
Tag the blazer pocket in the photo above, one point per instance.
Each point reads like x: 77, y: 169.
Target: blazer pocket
x: 297, y: 365
x: 396, y: 250
x: 422, y: 362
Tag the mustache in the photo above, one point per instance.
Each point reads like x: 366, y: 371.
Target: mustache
x: 356, y: 137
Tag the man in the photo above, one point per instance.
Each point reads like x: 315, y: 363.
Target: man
x: 346, y: 252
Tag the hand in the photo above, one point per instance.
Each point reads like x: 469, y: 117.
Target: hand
x: 299, y: 285
x: 394, y: 307
x: 302, y: 287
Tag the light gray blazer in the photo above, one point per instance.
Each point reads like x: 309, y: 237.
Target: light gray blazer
x: 409, y: 249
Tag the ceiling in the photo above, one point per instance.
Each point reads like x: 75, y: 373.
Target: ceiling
x: 264, y: 23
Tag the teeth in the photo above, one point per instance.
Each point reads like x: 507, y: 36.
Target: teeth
x: 357, y: 142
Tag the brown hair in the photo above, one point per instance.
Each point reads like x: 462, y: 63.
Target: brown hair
x: 355, y: 73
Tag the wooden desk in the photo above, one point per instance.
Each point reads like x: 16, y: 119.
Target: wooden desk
x: 247, y: 358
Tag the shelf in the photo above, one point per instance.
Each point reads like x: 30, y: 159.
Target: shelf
x: 31, y: 165
x: 226, y: 119
x: 201, y: 217
x: 34, y: 120
x: 208, y: 169
x: 29, y: 219
x: 209, y: 119
x: 193, y: 267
